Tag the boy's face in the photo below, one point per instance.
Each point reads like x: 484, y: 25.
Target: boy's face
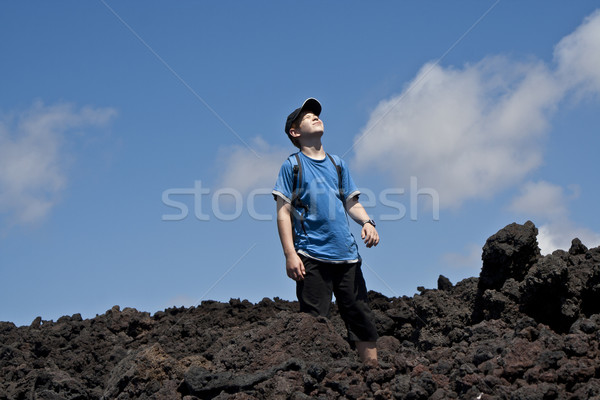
x: 310, y: 124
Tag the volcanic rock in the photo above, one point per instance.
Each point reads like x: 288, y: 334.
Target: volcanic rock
x: 527, y: 328
x: 509, y: 254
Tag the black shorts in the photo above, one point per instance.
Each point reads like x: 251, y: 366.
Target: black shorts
x: 347, y: 283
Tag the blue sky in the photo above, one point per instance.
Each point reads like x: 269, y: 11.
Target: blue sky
x: 110, y: 112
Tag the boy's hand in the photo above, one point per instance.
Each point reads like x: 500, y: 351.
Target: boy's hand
x: 369, y: 235
x: 295, y: 267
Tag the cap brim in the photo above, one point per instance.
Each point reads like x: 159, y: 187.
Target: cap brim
x: 312, y: 105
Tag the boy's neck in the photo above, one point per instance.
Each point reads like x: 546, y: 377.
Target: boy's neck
x: 315, y: 150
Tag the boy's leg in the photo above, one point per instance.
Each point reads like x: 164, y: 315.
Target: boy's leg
x: 351, y: 297
x: 314, y: 292
x: 367, y: 351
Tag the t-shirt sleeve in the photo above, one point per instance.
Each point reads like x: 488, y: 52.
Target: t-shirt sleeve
x: 349, y: 188
x: 284, y: 185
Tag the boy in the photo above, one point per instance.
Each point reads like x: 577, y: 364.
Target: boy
x: 321, y: 253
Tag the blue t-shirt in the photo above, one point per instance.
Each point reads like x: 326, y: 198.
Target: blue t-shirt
x: 327, y: 236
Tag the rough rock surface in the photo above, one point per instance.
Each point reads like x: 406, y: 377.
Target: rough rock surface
x: 527, y: 328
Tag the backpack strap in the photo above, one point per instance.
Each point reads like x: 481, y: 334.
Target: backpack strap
x: 339, y: 173
x: 297, y: 178
x: 297, y: 184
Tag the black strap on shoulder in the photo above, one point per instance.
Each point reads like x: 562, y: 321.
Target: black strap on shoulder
x: 339, y: 172
x: 297, y: 177
x: 297, y: 184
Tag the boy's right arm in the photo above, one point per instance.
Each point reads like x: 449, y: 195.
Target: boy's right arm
x: 293, y: 264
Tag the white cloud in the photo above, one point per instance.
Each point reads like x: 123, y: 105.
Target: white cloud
x: 549, y: 203
x: 541, y: 199
x: 32, y: 156
x: 467, y: 133
x: 578, y: 55
x: 471, y: 132
x: 558, y: 234
x: 243, y: 171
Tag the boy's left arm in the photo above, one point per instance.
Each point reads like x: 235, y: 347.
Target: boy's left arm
x: 357, y: 212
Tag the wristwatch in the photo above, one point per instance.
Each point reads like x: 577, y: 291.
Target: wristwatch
x: 369, y: 221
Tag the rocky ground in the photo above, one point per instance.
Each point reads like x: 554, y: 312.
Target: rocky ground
x: 527, y: 328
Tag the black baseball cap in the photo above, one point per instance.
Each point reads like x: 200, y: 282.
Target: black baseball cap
x: 309, y: 104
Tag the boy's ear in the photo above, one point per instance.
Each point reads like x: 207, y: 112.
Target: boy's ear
x: 294, y: 132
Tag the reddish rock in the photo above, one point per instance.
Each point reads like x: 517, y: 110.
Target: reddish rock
x: 528, y: 328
